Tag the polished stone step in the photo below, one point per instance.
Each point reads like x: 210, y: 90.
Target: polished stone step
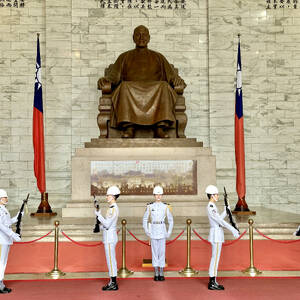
x: 142, y: 142
x: 81, y: 229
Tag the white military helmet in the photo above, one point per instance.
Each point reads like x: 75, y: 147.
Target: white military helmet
x: 158, y: 190
x: 113, y: 190
x: 212, y: 190
x: 3, y: 194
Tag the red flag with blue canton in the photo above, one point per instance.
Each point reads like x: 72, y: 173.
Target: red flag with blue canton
x: 38, y: 126
x: 239, y: 137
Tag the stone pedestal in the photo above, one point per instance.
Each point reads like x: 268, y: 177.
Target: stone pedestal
x: 81, y: 204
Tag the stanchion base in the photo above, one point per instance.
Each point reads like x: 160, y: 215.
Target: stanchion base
x: 188, y: 272
x: 55, y: 274
x: 252, y: 271
x: 124, y: 273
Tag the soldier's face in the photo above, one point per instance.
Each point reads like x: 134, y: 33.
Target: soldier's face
x: 4, y: 200
x: 158, y: 197
x: 141, y: 37
x: 215, y: 197
x: 110, y: 199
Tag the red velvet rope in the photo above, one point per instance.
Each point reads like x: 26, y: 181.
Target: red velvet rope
x: 277, y: 241
x: 167, y: 243
x: 30, y: 242
x: 224, y: 244
x: 174, y: 240
x: 142, y: 242
x: 80, y: 244
x: 236, y: 240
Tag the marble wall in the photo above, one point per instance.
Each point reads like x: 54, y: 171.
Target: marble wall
x: 79, y: 39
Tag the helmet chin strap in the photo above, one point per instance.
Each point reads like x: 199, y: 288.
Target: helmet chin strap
x: 215, y: 199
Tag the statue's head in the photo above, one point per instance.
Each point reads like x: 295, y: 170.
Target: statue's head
x: 141, y: 36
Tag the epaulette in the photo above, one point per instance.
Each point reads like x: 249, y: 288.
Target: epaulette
x: 211, y: 205
x: 150, y: 203
x: 169, y: 206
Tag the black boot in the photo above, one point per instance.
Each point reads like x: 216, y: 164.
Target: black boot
x: 161, y: 276
x: 112, y: 285
x: 213, y: 285
x: 156, y: 274
x: 5, y: 290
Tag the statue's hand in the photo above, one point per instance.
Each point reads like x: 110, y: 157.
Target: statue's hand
x: 103, y: 83
x: 179, y: 84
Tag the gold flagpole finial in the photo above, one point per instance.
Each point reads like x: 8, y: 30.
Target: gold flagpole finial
x: 239, y: 35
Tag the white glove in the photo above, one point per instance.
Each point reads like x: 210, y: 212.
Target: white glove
x: 15, y: 237
x: 98, y: 213
x: 15, y: 218
x: 236, y: 233
x: 168, y: 235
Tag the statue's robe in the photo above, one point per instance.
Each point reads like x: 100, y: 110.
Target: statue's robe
x: 144, y: 94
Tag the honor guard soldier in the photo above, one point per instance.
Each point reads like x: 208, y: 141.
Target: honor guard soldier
x: 110, y: 236
x: 7, y: 236
x: 155, y: 228
x: 216, y: 235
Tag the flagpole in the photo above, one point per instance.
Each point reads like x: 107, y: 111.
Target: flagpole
x: 44, y: 208
x: 241, y: 207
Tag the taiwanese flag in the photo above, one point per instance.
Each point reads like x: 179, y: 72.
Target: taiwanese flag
x: 38, y: 126
x: 239, y: 137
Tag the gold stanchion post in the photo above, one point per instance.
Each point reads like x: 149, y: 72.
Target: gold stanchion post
x: 56, y: 273
x: 188, y: 271
x: 123, y: 271
x: 252, y: 271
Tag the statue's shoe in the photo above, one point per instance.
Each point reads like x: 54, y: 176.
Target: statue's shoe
x: 128, y: 132
x: 160, y: 133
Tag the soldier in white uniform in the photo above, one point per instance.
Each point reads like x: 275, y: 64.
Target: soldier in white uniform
x: 110, y: 236
x: 155, y: 228
x: 7, y: 236
x: 216, y: 235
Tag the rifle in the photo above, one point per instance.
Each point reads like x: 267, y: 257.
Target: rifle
x: 229, y: 214
x: 297, y: 232
x: 19, y: 218
x: 97, y: 224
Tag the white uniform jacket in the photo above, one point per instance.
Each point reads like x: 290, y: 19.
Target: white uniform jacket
x: 109, y: 224
x: 216, y: 233
x: 5, y: 226
x: 156, y: 212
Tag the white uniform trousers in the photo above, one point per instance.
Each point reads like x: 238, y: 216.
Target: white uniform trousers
x: 4, y: 249
x: 111, y: 261
x: 215, y: 257
x: 158, y: 249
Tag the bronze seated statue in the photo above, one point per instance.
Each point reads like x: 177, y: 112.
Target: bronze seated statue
x: 141, y: 95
